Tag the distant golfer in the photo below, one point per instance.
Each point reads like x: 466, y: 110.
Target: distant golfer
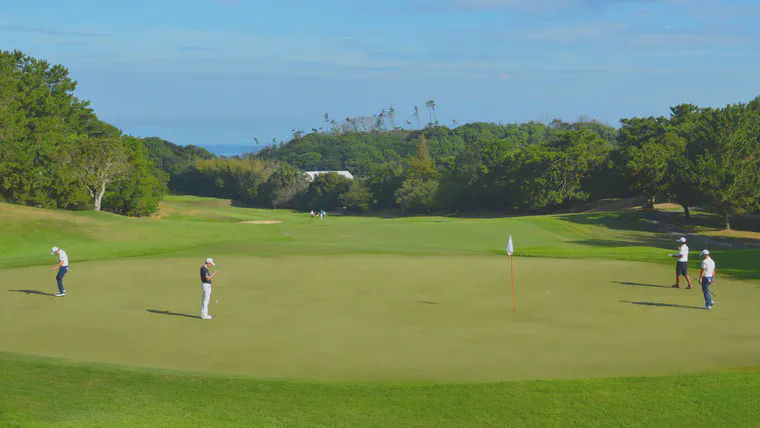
x: 707, y: 278
x: 312, y: 214
x: 206, y: 286
x: 682, y: 266
x: 63, y: 267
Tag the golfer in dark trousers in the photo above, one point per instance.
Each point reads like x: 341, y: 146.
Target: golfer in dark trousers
x: 682, y: 266
x: 707, y: 278
x: 63, y: 267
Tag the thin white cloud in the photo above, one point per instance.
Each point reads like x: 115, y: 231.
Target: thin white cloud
x: 523, y: 5
x: 671, y: 40
x: 585, y: 31
x: 26, y: 29
x: 539, y: 6
x: 621, y: 34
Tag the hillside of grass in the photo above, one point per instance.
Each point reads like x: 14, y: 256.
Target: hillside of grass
x: 186, y: 223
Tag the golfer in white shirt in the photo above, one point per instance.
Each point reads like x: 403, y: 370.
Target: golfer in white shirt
x: 206, y: 287
x: 63, y: 267
x: 682, y: 266
x: 707, y: 278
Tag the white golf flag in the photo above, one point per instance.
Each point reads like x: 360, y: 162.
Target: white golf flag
x: 510, y: 247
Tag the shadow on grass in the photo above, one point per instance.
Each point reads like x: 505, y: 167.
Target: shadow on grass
x: 37, y: 292
x: 156, y: 311
x: 425, y: 303
x: 666, y: 225
x: 636, y: 284
x: 657, y: 242
x: 662, y: 305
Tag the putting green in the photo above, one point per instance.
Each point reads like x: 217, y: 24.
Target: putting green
x: 383, y: 318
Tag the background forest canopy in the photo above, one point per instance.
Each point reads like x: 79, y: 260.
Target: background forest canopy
x: 55, y: 152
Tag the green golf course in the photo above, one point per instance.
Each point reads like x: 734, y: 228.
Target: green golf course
x: 372, y: 321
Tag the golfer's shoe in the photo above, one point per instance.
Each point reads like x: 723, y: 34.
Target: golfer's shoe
x: 689, y: 287
x: 675, y: 286
x: 706, y: 307
x: 207, y: 317
x: 60, y: 294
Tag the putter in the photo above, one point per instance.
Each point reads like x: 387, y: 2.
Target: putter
x: 215, y: 299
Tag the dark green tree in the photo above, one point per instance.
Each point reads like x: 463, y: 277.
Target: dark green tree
x: 357, y: 199
x: 326, y: 190
x: 727, y: 160
x: 419, y: 190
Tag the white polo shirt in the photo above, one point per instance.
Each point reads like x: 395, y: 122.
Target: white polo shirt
x: 709, y: 266
x: 684, y: 252
x: 63, y: 257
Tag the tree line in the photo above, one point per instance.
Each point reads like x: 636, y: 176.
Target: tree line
x: 55, y: 152
x: 706, y: 157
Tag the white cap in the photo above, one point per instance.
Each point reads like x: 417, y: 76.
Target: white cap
x: 53, y: 250
x: 682, y: 239
x: 705, y: 253
x: 210, y: 260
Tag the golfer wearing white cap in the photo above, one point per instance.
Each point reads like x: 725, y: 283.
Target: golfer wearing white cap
x: 682, y: 266
x: 707, y: 277
x: 206, y: 286
x: 63, y: 267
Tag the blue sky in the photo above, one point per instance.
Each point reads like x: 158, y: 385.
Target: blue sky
x: 225, y: 71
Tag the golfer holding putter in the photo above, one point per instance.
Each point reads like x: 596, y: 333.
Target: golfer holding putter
x: 707, y: 277
x: 206, y: 286
x: 63, y: 267
x: 682, y: 266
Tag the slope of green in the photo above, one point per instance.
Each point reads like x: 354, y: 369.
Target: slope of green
x: 42, y: 394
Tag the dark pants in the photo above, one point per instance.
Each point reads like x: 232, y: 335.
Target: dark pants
x: 706, y: 281
x: 61, y: 272
x: 682, y: 268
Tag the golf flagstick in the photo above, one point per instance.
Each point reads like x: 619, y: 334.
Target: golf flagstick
x: 510, y: 251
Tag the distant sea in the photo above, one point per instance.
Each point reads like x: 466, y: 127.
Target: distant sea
x: 229, y: 149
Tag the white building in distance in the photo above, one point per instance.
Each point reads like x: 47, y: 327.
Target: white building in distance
x: 312, y: 174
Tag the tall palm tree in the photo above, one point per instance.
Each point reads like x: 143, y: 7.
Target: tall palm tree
x: 382, y: 117
x: 431, y: 107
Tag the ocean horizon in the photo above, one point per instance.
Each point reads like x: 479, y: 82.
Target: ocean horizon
x: 228, y: 149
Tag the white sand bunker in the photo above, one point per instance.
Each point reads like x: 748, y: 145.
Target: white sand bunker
x: 262, y: 222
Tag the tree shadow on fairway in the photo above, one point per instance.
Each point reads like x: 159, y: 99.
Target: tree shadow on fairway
x: 658, y: 229
x: 636, y: 284
x: 37, y: 292
x: 663, y: 305
x: 156, y: 311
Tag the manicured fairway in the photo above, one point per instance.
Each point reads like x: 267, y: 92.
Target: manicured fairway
x: 383, y: 318
x: 371, y: 322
